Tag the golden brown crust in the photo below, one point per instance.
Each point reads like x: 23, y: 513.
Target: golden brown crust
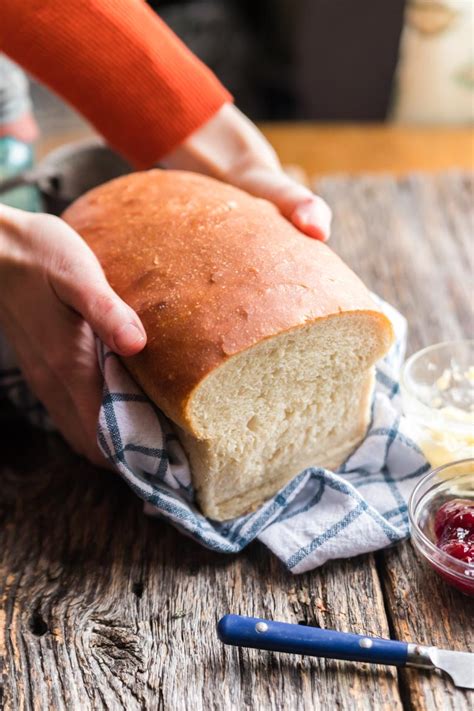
x: 210, y: 270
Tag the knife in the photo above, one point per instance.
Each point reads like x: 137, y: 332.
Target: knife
x: 313, y: 641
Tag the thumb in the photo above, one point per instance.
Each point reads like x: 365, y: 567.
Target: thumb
x: 82, y: 285
x: 307, y: 211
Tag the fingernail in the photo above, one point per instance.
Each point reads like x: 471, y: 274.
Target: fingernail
x: 313, y: 218
x: 128, y: 337
x: 305, y: 212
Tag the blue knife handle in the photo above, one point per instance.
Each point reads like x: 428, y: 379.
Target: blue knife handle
x: 312, y: 641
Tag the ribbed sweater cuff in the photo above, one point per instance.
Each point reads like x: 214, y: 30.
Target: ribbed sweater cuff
x: 118, y: 64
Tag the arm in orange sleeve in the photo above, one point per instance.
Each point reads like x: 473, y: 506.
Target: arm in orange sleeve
x: 119, y: 65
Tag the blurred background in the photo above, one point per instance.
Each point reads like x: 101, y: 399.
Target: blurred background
x: 308, y: 63
x: 326, y: 60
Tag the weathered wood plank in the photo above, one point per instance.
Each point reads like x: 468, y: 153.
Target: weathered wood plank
x: 412, y: 242
x: 424, y: 609
x: 107, y: 609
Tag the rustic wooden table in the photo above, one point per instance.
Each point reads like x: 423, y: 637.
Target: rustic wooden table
x: 102, y: 607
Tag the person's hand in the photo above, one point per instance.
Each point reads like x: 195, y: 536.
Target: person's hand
x: 53, y: 297
x: 231, y: 148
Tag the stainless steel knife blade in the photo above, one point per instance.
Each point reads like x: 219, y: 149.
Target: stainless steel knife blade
x: 458, y: 665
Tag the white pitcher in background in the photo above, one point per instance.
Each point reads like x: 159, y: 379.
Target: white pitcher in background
x: 435, y: 75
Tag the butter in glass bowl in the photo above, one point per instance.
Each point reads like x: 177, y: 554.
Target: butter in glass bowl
x: 437, y: 387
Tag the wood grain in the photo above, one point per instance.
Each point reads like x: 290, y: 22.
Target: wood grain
x: 103, y: 608
x: 411, y: 240
x: 423, y: 608
x: 107, y: 609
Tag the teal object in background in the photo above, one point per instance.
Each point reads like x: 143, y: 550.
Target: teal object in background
x: 15, y: 157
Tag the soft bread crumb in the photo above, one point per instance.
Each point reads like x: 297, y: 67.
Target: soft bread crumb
x: 298, y: 400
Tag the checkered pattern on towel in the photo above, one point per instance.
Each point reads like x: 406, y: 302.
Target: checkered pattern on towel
x: 319, y: 515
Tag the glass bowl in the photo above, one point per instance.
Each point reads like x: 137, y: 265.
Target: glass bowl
x: 437, y: 388
x: 446, y: 483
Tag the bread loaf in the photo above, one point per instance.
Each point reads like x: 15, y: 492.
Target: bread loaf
x: 261, y: 341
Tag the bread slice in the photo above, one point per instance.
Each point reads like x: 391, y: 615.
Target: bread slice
x: 261, y: 342
x: 298, y: 400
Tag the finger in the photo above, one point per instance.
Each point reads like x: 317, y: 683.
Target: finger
x: 307, y: 211
x: 81, y: 284
x: 313, y: 217
x: 50, y: 391
x: 84, y: 382
x: 70, y: 386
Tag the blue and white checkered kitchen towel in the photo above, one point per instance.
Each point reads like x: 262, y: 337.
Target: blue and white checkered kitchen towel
x: 319, y: 515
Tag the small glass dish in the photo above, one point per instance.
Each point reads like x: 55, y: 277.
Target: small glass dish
x: 446, y: 483
x: 437, y: 388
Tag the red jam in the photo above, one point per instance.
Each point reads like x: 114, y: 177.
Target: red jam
x: 454, y: 529
x: 454, y: 532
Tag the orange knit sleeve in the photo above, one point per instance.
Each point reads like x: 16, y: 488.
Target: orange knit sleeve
x: 118, y: 64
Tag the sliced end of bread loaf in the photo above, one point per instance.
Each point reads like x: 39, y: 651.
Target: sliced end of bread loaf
x: 261, y: 341
x: 297, y: 400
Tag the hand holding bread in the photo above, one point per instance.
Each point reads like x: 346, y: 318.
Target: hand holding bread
x: 231, y: 148
x: 53, y: 297
x: 261, y: 342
